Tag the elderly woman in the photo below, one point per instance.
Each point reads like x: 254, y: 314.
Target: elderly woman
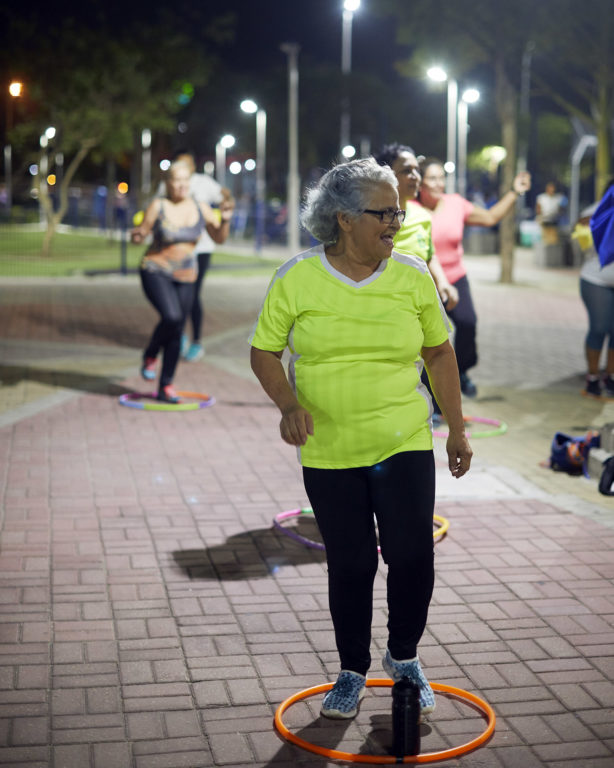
x: 169, y: 268
x: 359, y: 320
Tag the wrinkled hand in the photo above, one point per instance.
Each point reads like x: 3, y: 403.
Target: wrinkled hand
x: 296, y: 425
x: 459, y: 454
x: 449, y: 296
x: 522, y: 182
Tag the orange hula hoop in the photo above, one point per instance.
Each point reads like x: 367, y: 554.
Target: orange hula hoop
x: 425, y: 757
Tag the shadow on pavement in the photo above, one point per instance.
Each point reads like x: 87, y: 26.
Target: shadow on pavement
x: 254, y: 554
x: 11, y: 375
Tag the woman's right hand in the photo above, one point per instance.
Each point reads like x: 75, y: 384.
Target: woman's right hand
x: 136, y: 236
x: 296, y: 425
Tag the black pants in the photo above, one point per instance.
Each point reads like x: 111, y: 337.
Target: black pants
x: 400, y: 494
x: 465, y: 321
x: 173, y: 301
x: 197, y: 313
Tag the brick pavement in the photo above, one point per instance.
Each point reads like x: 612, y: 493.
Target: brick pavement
x: 152, y: 618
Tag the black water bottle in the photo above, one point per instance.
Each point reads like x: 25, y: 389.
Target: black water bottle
x: 405, y: 718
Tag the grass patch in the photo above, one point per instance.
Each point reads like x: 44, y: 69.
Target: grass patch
x: 77, y: 253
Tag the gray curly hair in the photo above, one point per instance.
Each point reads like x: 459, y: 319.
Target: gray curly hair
x: 346, y: 188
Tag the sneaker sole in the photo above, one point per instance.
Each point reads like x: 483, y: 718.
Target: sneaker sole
x: 336, y: 714
x: 592, y: 396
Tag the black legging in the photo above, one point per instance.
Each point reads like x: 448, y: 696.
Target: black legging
x: 197, y: 314
x: 465, y: 321
x: 173, y: 301
x: 400, y: 493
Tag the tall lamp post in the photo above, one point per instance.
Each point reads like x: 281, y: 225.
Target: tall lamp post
x: 470, y: 96
x: 15, y: 90
x: 293, y: 192
x: 349, y: 6
x: 250, y: 107
x: 439, y: 75
x: 223, y: 144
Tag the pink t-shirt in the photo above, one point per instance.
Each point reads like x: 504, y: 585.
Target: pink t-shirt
x: 448, y: 224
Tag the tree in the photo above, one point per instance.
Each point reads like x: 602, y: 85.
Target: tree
x: 99, y: 88
x: 465, y: 34
x: 574, y: 67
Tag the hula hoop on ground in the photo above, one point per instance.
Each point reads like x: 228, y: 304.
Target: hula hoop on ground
x: 425, y: 757
x: 500, y: 427
x: 443, y: 522
x: 149, y: 402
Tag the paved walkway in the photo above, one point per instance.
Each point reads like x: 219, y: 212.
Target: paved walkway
x: 153, y: 618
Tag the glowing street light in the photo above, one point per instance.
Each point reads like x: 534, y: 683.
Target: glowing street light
x: 14, y: 91
x: 439, y: 75
x: 470, y: 96
x: 250, y: 107
x: 226, y: 142
x: 349, y: 7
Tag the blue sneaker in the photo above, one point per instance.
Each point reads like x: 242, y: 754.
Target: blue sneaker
x: 341, y: 702
x: 195, y: 352
x: 185, y: 345
x: 148, y: 369
x: 411, y: 669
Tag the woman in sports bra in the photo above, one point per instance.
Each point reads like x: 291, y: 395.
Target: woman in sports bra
x: 169, y: 269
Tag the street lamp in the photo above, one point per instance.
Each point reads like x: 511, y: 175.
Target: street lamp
x: 223, y: 144
x: 470, y: 96
x: 15, y: 90
x: 293, y: 189
x: 250, y: 107
x: 439, y: 75
x: 349, y: 6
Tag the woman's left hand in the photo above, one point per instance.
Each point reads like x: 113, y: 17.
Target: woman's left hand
x: 459, y: 454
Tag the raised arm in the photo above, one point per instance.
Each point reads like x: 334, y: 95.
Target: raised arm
x: 296, y: 423
x: 488, y: 217
x: 442, y: 369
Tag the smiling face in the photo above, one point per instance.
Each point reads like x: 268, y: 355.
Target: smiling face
x: 433, y: 184
x: 372, y: 239
x: 408, y: 175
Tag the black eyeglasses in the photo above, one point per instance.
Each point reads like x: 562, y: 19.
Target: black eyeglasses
x: 388, y: 215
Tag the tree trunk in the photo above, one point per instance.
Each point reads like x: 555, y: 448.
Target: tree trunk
x: 55, y: 217
x: 507, y: 110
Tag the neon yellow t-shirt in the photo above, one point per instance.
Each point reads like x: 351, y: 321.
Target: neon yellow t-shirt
x: 415, y: 237
x: 355, y: 354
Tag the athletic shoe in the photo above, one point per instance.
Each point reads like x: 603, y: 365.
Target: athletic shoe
x: 341, y: 702
x: 168, y: 395
x: 195, y: 352
x: 608, y: 385
x: 185, y: 345
x: 468, y: 388
x: 412, y: 670
x: 592, y: 387
x: 148, y: 369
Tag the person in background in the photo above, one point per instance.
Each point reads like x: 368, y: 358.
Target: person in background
x: 549, y: 207
x: 359, y: 320
x: 415, y: 236
x: 169, y: 267
x: 597, y: 293
x: 204, y: 189
x: 450, y: 214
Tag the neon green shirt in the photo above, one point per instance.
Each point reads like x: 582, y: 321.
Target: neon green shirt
x: 414, y: 237
x: 355, y: 354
